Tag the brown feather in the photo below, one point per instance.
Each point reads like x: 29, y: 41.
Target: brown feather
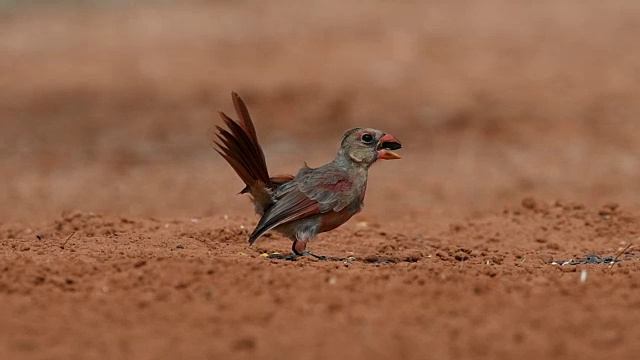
x: 238, y: 145
x: 245, y: 149
x: 245, y: 120
x: 294, y: 205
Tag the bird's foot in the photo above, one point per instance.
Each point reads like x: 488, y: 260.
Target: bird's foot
x: 319, y: 257
x: 299, y: 248
x: 327, y: 258
x: 294, y: 257
x: 291, y: 257
x: 278, y: 256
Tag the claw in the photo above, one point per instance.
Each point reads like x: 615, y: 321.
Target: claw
x: 319, y: 257
x: 296, y: 255
x: 291, y: 257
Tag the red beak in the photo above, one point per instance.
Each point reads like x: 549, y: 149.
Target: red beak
x: 387, y: 143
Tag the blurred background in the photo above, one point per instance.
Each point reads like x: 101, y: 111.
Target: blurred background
x: 109, y: 106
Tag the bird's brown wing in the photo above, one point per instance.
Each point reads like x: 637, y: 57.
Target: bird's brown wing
x: 312, y: 192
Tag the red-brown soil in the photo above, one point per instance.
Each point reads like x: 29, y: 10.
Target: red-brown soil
x: 121, y: 236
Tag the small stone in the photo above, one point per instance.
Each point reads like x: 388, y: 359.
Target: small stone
x: 568, y: 268
x: 546, y: 258
x: 529, y: 203
x: 552, y: 246
x: 591, y: 259
x: 607, y: 210
x: 246, y: 343
x: 583, y: 276
x: 179, y: 246
x: 414, y: 256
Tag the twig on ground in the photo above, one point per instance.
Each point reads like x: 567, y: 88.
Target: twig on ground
x: 615, y: 260
x: 65, y: 242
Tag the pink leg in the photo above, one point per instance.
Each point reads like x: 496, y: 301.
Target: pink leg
x: 298, y: 247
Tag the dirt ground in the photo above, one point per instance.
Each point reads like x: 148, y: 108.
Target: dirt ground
x: 122, y: 237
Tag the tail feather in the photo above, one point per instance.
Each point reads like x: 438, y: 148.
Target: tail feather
x: 246, y: 123
x: 236, y: 150
x: 240, y: 148
x: 245, y: 144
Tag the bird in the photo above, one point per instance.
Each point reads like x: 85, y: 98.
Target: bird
x: 313, y: 201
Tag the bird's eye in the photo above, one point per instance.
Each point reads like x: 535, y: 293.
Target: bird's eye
x: 367, y: 138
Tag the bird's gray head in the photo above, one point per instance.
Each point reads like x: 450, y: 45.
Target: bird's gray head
x: 366, y: 145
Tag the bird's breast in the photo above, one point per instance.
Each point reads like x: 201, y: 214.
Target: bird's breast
x: 333, y: 219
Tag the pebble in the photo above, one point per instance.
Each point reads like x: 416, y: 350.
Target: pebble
x: 583, y: 276
x: 461, y: 256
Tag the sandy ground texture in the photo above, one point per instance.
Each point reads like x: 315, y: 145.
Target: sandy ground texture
x: 122, y: 237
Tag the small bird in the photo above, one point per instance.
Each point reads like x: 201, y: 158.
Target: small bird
x: 313, y: 201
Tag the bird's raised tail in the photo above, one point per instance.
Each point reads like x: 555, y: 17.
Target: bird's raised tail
x: 240, y: 148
